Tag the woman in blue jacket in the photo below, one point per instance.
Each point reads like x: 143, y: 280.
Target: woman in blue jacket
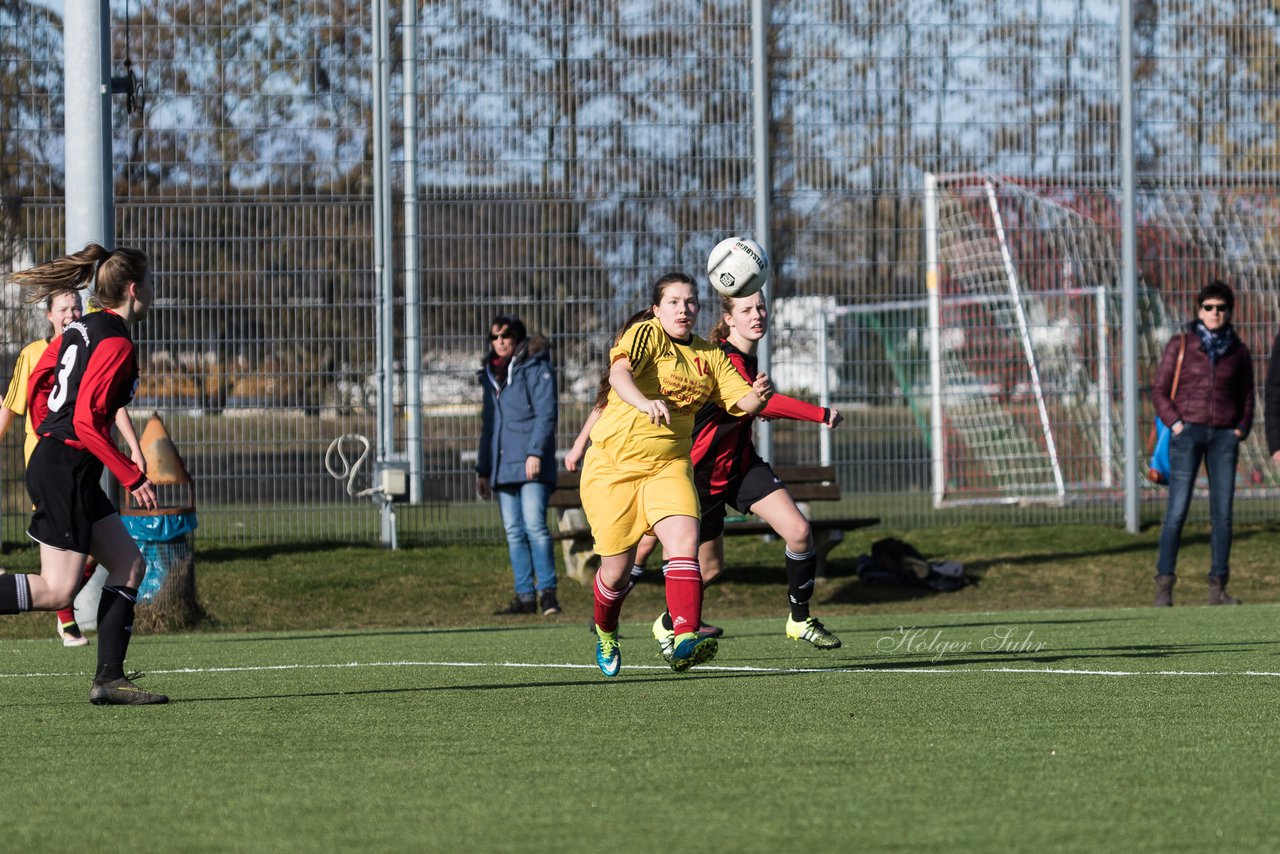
x: 517, y: 456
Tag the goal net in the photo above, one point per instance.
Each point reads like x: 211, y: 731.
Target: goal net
x: 1025, y: 364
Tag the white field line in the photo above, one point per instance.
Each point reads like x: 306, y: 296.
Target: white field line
x: 860, y: 671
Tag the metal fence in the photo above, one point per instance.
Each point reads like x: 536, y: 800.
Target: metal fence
x: 552, y: 159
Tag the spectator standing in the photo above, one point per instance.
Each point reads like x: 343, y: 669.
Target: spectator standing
x: 1209, y: 418
x: 516, y: 459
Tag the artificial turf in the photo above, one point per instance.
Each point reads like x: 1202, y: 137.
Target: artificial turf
x: 1121, y: 730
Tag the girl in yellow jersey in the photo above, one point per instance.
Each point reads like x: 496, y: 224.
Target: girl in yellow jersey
x: 637, y: 477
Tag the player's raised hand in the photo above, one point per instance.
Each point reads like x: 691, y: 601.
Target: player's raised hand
x: 834, y: 418
x: 763, y: 386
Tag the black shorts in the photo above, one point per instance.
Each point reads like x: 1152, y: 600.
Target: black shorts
x: 65, y: 487
x: 757, y: 482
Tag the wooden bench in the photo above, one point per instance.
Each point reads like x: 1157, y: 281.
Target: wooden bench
x: 805, y: 483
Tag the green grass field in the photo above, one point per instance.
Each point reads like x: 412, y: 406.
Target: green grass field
x: 341, y: 697
x: 1119, y: 730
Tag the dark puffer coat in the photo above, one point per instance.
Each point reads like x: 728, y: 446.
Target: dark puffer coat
x: 1213, y: 395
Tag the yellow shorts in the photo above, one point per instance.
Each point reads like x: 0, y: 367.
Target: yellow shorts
x: 623, y: 504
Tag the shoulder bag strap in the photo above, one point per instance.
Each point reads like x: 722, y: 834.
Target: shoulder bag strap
x: 1177, y: 372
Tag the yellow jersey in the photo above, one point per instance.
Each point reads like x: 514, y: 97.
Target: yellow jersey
x: 16, y: 397
x: 684, y: 374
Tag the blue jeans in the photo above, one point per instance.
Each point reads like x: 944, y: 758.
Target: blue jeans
x: 524, y: 515
x: 1218, y: 448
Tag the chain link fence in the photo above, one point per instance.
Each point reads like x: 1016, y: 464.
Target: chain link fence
x: 564, y: 155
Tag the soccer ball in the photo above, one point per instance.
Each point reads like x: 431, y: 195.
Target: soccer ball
x: 738, y: 267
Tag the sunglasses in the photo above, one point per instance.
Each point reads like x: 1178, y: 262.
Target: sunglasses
x: 505, y: 336
x: 1221, y: 308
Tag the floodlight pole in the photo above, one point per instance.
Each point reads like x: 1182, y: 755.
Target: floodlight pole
x: 88, y: 198
x: 382, y: 249
x: 86, y: 39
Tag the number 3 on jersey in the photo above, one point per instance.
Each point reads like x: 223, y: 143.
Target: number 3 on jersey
x: 58, y: 396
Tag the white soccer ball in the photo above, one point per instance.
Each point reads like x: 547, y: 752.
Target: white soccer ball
x: 738, y: 267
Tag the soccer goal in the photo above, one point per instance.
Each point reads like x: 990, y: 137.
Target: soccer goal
x: 1024, y: 310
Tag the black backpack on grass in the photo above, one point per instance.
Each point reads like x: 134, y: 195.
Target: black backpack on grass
x: 893, y: 561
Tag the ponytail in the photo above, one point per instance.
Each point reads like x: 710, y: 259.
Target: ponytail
x: 107, y: 271
x: 720, y: 332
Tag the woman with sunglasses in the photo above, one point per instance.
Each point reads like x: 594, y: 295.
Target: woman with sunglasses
x: 516, y: 459
x: 1208, y: 419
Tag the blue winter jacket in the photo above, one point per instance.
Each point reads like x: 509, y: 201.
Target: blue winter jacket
x: 518, y: 420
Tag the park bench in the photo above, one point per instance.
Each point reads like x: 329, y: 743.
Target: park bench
x: 806, y: 484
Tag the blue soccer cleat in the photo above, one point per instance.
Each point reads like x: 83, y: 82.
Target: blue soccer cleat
x: 691, y: 649
x: 608, y: 655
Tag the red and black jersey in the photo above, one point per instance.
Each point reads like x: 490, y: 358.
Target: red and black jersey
x: 722, y: 445
x: 79, y: 384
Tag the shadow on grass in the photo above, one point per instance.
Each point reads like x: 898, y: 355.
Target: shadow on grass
x: 263, y: 551
x: 504, y: 686
x: 833, y: 623
x: 934, y: 660
x: 256, y: 637
x: 1188, y: 539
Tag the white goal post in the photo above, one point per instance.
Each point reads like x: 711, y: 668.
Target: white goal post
x: 1022, y: 287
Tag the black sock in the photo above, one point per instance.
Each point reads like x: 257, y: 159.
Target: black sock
x: 115, y: 627
x: 15, y: 594
x: 636, y: 572
x: 800, y: 573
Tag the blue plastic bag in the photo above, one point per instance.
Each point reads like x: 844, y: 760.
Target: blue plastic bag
x: 1158, y: 468
x: 161, y: 528
x: 160, y: 538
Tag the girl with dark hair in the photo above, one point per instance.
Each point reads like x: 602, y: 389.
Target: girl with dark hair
x: 730, y: 473
x: 516, y: 458
x: 637, y: 477
x: 83, y: 379
x: 1208, y: 418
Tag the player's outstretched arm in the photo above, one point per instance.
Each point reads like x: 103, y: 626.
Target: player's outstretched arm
x: 573, y: 459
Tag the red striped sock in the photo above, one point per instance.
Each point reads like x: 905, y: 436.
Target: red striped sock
x: 66, y: 615
x: 608, y: 604
x: 684, y: 594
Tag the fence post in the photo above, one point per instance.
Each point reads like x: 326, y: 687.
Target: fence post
x: 1128, y: 273
x: 763, y: 180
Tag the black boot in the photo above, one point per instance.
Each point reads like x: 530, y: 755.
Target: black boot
x: 1164, y: 591
x: 518, y: 606
x: 1218, y: 594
